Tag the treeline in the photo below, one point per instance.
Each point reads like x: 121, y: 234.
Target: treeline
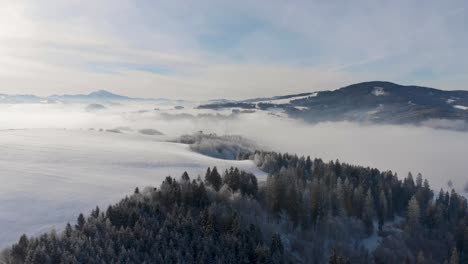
x: 182, y: 222
x: 423, y: 227
x: 307, y: 211
x: 228, y: 105
x: 223, y: 147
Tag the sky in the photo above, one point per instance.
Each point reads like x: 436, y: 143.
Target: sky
x: 228, y: 49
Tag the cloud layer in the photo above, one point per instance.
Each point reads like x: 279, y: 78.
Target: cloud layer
x: 209, y: 49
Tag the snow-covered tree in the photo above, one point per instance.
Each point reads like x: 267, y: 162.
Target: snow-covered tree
x: 414, y: 212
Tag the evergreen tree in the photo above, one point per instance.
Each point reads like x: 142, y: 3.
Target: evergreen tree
x: 80, y: 222
x: 419, y: 180
x: 369, y: 213
x: 276, y: 246
x: 212, y: 178
x: 20, y: 250
x: 383, y: 209
x: 413, y: 213
x: 185, y: 177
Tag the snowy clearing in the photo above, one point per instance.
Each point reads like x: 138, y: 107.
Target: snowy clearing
x: 461, y: 107
x: 379, y: 91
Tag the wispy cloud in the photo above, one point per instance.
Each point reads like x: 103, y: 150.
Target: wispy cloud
x: 229, y: 49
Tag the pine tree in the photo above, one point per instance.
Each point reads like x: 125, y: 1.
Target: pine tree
x: 369, y: 213
x: 216, y: 180
x: 207, y: 176
x: 419, y: 180
x: 464, y: 247
x: 414, y: 213
x: 358, y: 198
x: 390, y: 205
x: 276, y: 246
x: 185, y: 177
x: 308, y: 166
x: 80, y: 222
x: 409, y: 180
x: 383, y: 208
x: 212, y: 178
x: 19, y: 251
x: 68, y: 230
x: 315, y: 200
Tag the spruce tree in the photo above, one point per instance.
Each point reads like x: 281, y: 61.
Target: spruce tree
x: 369, y: 213
x: 414, y: 213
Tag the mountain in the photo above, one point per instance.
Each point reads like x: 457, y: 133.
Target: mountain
x: 376, y: 102
x: 21, y: 98
x: 101, y: 95
x: 93, y: 97
x: 383, y: 102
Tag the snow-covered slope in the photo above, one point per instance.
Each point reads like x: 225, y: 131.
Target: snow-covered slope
x: 49, y: 176
x: 461, y: 107
x: 286, y: 100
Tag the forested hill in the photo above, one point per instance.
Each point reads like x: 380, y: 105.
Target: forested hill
x: 371, y: 102
x: 308, y: 211
x: 385, y: 102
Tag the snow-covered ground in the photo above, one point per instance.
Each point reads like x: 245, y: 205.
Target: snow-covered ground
x: 379, y: 91
x: 49, y: 176
x: 461, y: 107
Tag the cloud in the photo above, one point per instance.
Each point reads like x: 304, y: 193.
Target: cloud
x: 208, y: 49
x: 439, y: 155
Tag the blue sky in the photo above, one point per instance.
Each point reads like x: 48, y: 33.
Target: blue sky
x: 239, y: 49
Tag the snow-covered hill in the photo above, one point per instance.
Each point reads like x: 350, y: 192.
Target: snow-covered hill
x: 374, y: 102
x: 49, y: 176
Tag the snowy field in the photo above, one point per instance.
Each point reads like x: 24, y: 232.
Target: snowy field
x: 49, y: 176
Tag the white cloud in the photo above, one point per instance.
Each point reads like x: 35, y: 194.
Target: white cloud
x: 67, y: 46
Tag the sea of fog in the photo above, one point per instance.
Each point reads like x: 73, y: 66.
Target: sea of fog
x: 59, y: 160
x: 440, y: 155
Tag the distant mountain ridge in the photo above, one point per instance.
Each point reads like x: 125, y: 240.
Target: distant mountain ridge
x: 100, y: 94
x: 374, y: 102
x: 96, y: 96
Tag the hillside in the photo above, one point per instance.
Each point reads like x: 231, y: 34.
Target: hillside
x: 370, y: 102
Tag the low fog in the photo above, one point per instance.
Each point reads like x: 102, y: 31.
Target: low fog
x: 90, y: 157
x: 440, y: 155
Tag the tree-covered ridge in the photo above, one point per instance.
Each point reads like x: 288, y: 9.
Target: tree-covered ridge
x: 312, y: 192
x: 307, y: 211
x: 370, y: 102
x: 182, y: 222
